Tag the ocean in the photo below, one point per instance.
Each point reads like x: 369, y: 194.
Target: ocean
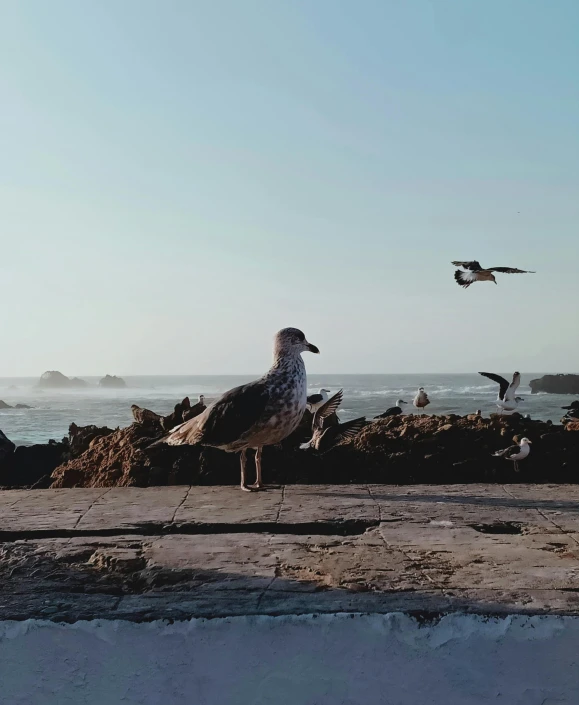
x: 364, y: 395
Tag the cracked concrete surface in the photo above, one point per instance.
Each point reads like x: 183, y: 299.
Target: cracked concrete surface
x: 180, y: 552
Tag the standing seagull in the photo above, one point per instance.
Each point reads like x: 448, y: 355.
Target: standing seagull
x: 316, y: 400
x: 324, y: 437
x: 421, y: 399
x: 257, y: 414
x: 472, y: 272
x: 392, y: 411
x: 516, y: 452
x: 507, y: 399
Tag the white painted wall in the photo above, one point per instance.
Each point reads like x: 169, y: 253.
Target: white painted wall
x: 328, y: 660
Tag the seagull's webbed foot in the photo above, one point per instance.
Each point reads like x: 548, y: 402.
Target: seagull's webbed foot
x: 247, y: 488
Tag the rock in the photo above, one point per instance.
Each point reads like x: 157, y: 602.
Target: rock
x: 4, y: 405
x: 23, y: 406
x: 56, y: 380
x: 394, y: 450
x: 112, y: 382
x: 30, y: 464
x: 556, y: 384
x: 6, y: 448
x: 80, y: 437
x: 146, y: 417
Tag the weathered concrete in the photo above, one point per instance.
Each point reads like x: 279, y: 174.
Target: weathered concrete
x: 182, y: 552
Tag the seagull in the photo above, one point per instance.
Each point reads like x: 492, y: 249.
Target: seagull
x: 393, y: 410
x: 316, y: 400
x: 573, y: 405
x: 515, y: 453
x: 506, y: 399
x: 260, y: 413
x: 196, y: 409
x: 471, y: 272
x: 421, y: 399
x: 324, y: 437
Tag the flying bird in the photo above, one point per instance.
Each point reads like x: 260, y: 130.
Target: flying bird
x: 515, y: 453
x: 326, y: 436
x: 392, y: 411
x: 507, y: 400
x: 316, y: 400
x: 472, y: 272
x: 421, y: 399
x: 260, y: 413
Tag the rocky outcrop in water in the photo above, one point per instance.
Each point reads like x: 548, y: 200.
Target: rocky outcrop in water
x: 56, y: 380
x: 112, y: 382
x: 399, y: 450
x: 555, y: 384
x: 4, y: 405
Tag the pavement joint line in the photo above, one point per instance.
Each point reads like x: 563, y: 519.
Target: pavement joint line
x: 181, y: 503
x: 547, y: 518
x: 82, y: 516
x: 279, y: 510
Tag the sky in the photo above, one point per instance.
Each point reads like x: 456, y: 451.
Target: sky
x: 181, y: 179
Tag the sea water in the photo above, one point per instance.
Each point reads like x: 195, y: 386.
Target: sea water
x: 364, y: 395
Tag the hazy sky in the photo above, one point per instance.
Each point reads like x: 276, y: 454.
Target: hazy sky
x: 180, y: 179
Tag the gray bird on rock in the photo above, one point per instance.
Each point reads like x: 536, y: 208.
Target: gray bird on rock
x: 257, y: 414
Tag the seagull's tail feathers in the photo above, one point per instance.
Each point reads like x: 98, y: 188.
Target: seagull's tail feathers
x: 463, y: 278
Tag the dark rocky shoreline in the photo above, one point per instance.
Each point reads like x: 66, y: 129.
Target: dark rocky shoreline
x: 398, y: 450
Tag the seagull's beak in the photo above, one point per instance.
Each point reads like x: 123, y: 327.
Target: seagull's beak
x: 312, y: 348
x: 528, y: 441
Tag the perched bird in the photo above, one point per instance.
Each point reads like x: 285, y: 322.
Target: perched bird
x: 478, y: 412
x: 325, y: 436
x: 316, y: 400
x: 515, y: 453
x: 260, y: 413
x: 421, y: 399
x: 471, y: 272
x: 571, y: 415
x: 196, y: 409
x: 572, y: 405
x: 393, y: 410
x: 507, y: 400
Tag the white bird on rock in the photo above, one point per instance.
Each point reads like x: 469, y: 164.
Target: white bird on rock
x: 507, y: 399
x: 316, y: 400
x: 421, y: 400
x: 515, y: 453
x: 257, y: 414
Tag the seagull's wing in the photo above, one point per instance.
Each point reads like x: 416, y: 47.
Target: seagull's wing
x: 473, y: 266
x: 507, y: 452
x: 330, y: 407
x: 315, y: 399
x: 509, y: 270
x: 225, y: 421
x: 504, y: 385
x: 349, y: 429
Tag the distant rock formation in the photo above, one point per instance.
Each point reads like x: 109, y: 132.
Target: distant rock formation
x: 56, y: 380
x: 112, y: 382
x: 4, y: 405
x: 555, y: 384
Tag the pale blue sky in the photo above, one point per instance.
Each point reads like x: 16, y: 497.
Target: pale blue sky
x: 180, y: 179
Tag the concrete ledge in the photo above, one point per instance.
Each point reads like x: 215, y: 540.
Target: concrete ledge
x: 182, y: 552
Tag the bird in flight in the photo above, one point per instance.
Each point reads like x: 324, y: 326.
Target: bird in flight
x: 471, y: 272
x: 325, y: 436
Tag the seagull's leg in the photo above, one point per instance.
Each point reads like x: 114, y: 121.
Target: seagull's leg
x: 243, y: 459
x: 258, y: 485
